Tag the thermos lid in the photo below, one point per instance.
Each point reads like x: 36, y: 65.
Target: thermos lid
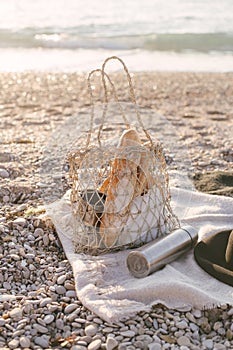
x: 138, y: 264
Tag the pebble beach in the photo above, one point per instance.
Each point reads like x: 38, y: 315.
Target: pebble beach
x: 39, y: 308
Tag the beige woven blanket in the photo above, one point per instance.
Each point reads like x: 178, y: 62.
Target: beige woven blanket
x: 105, y: 286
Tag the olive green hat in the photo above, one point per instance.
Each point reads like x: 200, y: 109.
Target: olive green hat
x: 215, y: 256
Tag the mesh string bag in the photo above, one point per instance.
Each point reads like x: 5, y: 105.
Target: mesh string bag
x: 120, y: 191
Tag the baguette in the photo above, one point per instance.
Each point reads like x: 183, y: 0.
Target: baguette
x: 129, y: 177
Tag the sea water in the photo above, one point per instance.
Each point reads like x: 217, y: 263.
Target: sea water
x: 78, y: 35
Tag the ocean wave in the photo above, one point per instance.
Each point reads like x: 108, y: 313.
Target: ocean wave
x: 81, y: 38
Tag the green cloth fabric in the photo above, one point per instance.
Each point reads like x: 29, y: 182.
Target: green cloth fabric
x: 215, y: 256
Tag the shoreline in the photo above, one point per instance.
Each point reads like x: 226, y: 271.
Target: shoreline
x: 66, y: 60
x: 43, y: 311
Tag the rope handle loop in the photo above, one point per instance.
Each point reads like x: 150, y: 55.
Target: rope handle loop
x: 105, y: 78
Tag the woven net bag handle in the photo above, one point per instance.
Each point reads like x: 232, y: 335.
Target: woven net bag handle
x: 105, y: 77
x: 131, y: 91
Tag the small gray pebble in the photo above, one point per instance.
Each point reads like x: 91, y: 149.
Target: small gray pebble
x: 7, y: 285
x: 71, y: 294
x: 193, y: 327
x: 219, y: 346
x: 38, y: 232
x: 60, y: 290
x: 208, y: 344
x: 221, y: 331
x: 45, y: 301
x: 197, y: 313
x: 59, y: 323
x: 154, y: 346
x: 156, y: 339
x: 40, y: 328
x: 45, y: 240
x: 182, y: 324
x: 42, y: 341
x: 78, y: 347
x: 4, y: 173
x: 2, y: 322
x: 128, y: 334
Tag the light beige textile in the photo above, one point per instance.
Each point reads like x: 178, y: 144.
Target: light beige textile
x: 105, y: 286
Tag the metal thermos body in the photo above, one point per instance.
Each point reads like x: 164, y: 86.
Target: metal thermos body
x: 155, y: 255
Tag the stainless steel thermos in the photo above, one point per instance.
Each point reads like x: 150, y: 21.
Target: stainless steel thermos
x: 154, y: 255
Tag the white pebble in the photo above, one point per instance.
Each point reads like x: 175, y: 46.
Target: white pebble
x: 13, y: 344
x: 94, y: 345
x: 61, y: 279
x: 90, y: 330
x: 21, y: 207
x: 20, y: 222
x: 183, y: 340
x: 45, y: 301
x: 70, y: 308
x: 49, y: 319
x: 16, y: 313
x: 24, y: 342
x: 111, y: 343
